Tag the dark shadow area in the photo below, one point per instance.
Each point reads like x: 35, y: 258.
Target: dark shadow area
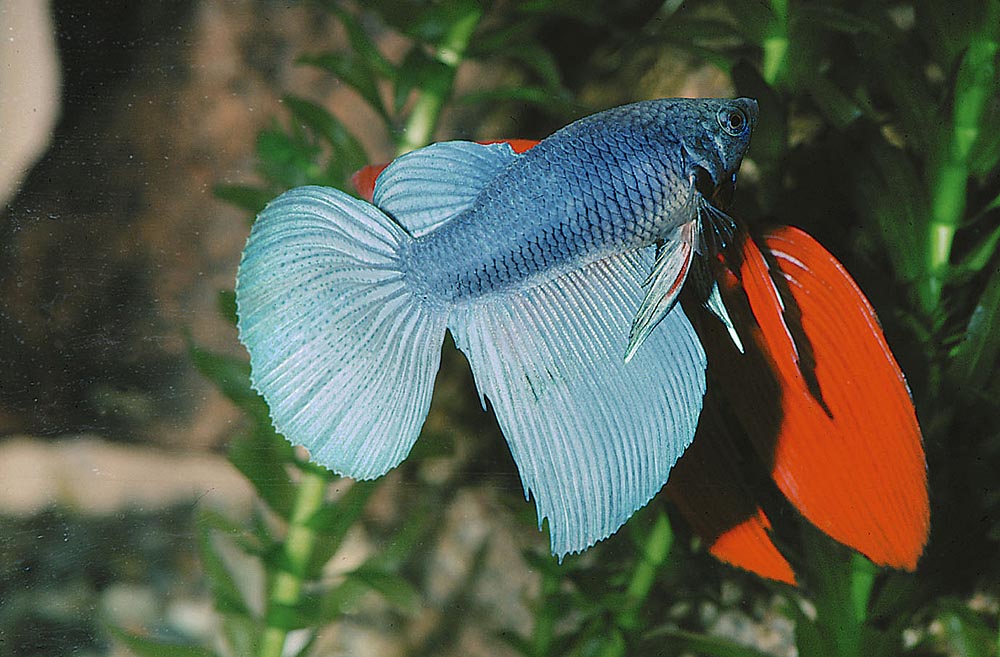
x: 77, y: 327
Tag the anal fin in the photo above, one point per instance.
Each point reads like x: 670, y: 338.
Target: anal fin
x: 594, y: 438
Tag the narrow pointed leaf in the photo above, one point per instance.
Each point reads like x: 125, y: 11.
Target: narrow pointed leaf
x: 145, y: 647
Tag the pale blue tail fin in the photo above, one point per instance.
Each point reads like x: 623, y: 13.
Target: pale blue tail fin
x: 343, y: 354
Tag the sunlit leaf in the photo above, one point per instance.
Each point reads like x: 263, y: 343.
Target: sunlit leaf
x: 242, y: 634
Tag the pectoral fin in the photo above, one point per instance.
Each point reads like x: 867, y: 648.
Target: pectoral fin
x: 664, y: 283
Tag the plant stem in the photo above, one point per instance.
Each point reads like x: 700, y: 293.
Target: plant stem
x: 654, y: 553
x: 286, y: 588
x: 973, y: 88
x: 775, y: 44
x: 419, y: 128
x: 541, y: 639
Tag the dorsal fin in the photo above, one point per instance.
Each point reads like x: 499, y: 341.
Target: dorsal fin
x: 430, y: 186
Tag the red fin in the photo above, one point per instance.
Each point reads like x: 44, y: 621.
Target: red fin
x: 519, y: 145
x: 851, y: 459
x: 709, y: 487
x: 364, y: 178
x: 748, y: 545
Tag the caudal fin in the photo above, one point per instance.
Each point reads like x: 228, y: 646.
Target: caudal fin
x: 343, y: 354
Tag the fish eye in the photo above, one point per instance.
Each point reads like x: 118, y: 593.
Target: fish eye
x: 733, y: 120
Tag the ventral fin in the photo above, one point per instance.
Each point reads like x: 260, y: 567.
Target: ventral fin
x: 594, y: 437
x: 664, y: 283
x: 717, y: 307
x: 426, y: 188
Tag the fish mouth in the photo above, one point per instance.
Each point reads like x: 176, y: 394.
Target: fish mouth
x: 717, y: 192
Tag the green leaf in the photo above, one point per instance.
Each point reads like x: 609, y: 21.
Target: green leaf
x: 973, y: 360
x: 227, y: 595
x: 964, y: 633
x: 985, y: 155
x: 829, y: 17
x: 145, y: 647
x: 980, y: 255
x: 537, y: 60
x: 232, y: 377
x: 242, y: 634
x: 419, y: 71
x: 246, y: 197
x: 396, y: 590
x: 754, y: 20
x: 361, y: 43
x: 350, y: 69
x: 289, y: 160
x: 701, y: 30
x: 680, y: 641
x: 262, y: 456
x: 226, y: 303
x: 975, y: 86
x: 430, y: 23
x: 334, y: 519
x: 545, y: 99
x: 890, y: 194
x: 895, y: 72
x: 323, y: 608
x: 838, y: 107
x: 347, y: 153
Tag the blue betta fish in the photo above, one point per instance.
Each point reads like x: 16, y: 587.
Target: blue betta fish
x: 556, y: 271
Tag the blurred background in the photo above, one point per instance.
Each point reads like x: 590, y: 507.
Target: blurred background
x: 141, y: 496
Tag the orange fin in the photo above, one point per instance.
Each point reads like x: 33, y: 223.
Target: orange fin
x: 850, y: 459
x: 710, y: 489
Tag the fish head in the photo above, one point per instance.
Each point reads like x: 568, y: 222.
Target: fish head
x: 714, y: 146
